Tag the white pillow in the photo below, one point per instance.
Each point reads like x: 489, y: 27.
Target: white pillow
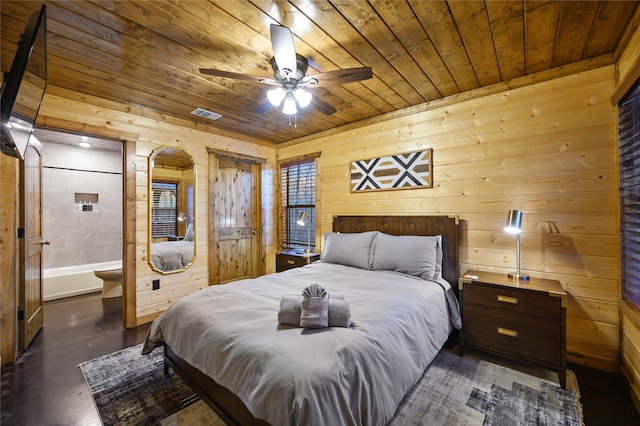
x: 351, y: 249
x: 420, y: 256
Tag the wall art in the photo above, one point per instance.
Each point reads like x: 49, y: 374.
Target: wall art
x: 409, y: 170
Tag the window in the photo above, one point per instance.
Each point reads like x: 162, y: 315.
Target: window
x: 164, y: 210
x: 298, y: 183
x: 629, y: 159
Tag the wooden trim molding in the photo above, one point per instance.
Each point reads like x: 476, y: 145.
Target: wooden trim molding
x: 234, y: 156
x: 627, y: 83
x: 8, y: 190
x: 631, y: 312
x: 299, y: 159
x: 129, y: 235
x: 630, y: 378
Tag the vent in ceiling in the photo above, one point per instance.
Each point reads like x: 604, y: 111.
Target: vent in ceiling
x: 206, y: 114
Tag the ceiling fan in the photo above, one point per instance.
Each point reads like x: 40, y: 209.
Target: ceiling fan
x: 290, y: 70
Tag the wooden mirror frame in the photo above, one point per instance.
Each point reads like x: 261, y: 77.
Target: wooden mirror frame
x: 180, y: 168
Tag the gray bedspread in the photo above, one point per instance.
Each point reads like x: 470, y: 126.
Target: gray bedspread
x: 171, y: 255
x: 295, y: 376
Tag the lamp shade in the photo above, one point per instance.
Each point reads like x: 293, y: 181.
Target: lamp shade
x: 303, y: 97
x: 276, y: 96
x: 302, y: 221
x: 289, y: 107
x: 514, y: 226
x: 514, y: 222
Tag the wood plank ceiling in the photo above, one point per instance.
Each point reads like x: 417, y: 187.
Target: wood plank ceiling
x: 147, y: 54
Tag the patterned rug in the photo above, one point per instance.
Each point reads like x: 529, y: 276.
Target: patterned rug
x: 132, y: 389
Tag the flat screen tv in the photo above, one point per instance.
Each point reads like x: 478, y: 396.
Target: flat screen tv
x: 23, y: 87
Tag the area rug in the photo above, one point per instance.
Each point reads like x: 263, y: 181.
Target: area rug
x: 131, y: 389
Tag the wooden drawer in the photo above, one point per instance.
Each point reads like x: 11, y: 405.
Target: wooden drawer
x: 286, y: 261
x: 514, y: 300
x: 524, y: 321
x: 512, y: 334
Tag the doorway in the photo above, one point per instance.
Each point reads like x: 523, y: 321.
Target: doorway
x: 82, y: 211
x: 237, y: 250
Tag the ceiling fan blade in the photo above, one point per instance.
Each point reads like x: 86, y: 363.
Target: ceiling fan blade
x: 322, y: 106
x: 283, y: 48
x: 263, y: 107
x: 239, y: 76
x: 333, y: 78
x: 229, y: 74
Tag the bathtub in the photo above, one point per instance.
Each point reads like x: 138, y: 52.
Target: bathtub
x: 72, y: 280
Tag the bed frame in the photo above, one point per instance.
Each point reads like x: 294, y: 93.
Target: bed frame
x: 228, y: 406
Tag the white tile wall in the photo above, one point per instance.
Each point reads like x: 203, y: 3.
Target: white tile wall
x: 79, y: 237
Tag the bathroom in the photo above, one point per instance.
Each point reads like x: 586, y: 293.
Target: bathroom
x: 81, y: 213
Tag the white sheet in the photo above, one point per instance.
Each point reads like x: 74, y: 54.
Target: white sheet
x: 293, y: 376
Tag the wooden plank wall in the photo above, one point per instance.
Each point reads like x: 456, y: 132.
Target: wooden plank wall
x: 69, y: 111
x: 548, y: 149
x: 8, y: 256
x: 630, y: 356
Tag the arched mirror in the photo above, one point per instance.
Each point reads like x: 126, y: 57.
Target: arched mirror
x: 172, y: 201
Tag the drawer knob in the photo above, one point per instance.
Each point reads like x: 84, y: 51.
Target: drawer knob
x: 290, y: 262
x: 507, y: 332
x: 507, y: 299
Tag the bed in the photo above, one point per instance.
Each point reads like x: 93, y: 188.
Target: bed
x: 172, y: 255
x: 226, y: 343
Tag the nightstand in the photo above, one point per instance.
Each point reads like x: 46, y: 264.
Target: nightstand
x: 521, y: 320
x: 294, y: 258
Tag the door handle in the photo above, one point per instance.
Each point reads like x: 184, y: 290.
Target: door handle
x: 43, y: 242
x: 254, y: 232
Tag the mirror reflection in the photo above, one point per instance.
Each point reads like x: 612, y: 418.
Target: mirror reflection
x: 172, y: 177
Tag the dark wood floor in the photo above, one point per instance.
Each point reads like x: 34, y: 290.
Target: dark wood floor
x: 45, y: 386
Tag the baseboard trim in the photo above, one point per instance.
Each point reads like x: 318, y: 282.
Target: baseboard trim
x: 72, y: 293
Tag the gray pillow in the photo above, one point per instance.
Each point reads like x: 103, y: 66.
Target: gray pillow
x: 420, y: 256
x: 351, y: 249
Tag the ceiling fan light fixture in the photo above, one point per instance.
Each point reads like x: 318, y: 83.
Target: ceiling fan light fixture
x: 303, y: 97
x: 276, y: 96
x: 289, y: 107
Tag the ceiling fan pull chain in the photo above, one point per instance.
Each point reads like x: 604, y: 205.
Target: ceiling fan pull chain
x: 293, y: 124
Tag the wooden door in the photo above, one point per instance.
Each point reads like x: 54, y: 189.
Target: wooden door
x: 30, y: 307
x: 236, y: 220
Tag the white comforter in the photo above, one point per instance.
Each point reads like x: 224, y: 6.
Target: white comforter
x: 294, y: 376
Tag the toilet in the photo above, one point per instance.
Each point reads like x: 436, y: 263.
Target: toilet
x: 112, y: 280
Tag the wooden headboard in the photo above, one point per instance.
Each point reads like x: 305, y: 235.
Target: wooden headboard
x: 446, y: 226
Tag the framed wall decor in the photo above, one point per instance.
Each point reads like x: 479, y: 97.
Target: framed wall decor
x: 408, y: 170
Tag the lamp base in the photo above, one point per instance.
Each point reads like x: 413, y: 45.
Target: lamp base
x: 308, y: 251
x: 516, y: 276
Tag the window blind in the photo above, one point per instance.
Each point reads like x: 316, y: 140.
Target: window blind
x: 164, y: 210
x: 298, y: 183
x: 629, y: 165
